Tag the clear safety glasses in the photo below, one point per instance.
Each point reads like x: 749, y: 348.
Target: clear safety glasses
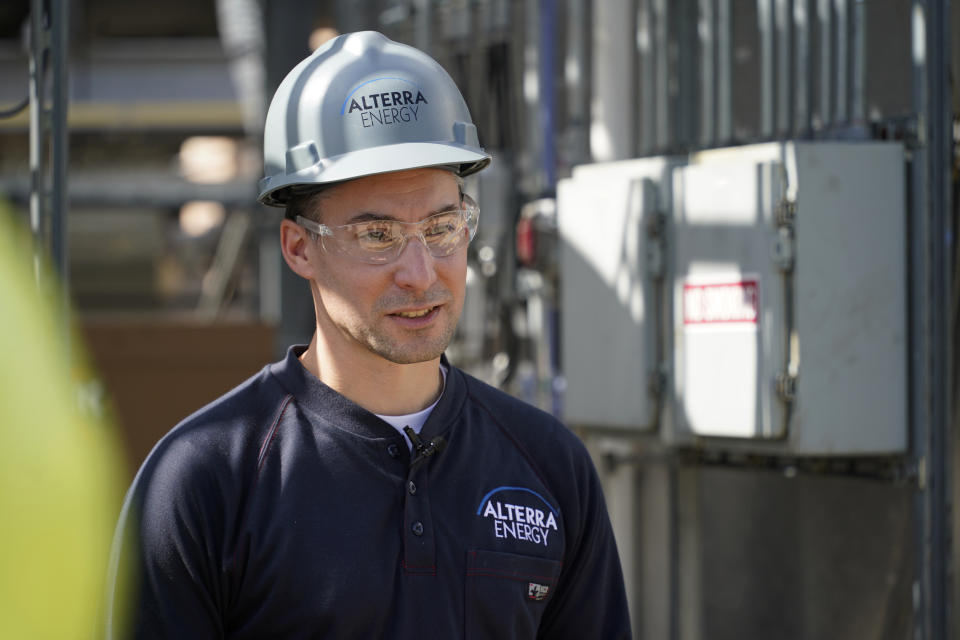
x: 382, y: 241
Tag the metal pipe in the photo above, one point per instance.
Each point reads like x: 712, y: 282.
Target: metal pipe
x: 59, y: 141
x: 724, y: 72
x: 858, y: 63
x: 646, y: 59
x: 547, y: 103
x: 577, y: 77
x: 765, y: 23
x: 612, y: 115
x: 784, y: 79
x: 708, y: 73
x: 802, y: 77
x: 661, y: 44
x: 842, y: 48
x: 931, y: 238
x: 38, y: 53
x: 824, y: 17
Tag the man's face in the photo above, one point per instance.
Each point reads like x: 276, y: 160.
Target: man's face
x: 403, y: 311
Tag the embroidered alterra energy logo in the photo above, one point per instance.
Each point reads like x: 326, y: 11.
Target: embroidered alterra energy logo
x: 383, y: 102
x: 519, y: 513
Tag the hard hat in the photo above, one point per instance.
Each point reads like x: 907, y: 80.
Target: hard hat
x: 363, y: 104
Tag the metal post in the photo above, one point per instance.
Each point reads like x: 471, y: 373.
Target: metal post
x: 287, y: 26
x: 724, y: 72
x: 858, y: 66
x: 661, y: 93
x: 930, y: 242
x: 842, y: 48
x: 48, y: 144
x: 708, y: 74
x: 784, y: 80
x: 546, y: 108
x: 683, y: 35
x: 646, y: 61
x: 577, y: 75
x: 802, y: 76
x: 824, y: 18
x: 613, y: 52
x: 765, y: 22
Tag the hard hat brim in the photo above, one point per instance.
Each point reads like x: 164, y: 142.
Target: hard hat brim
x: 373, y: 161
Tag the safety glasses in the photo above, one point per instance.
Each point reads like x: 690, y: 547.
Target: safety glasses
x: 382, y: 241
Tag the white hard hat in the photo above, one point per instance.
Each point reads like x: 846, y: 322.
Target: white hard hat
x: 363, y: 104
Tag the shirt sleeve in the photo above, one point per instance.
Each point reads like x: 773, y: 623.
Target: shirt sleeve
x: 166, y: 550
x: 591, y: 600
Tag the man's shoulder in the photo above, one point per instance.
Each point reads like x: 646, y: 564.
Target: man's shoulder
x: 222, y: 434
x: 531, y: 425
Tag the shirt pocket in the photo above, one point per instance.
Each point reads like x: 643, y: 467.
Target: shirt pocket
x: 506, y: 594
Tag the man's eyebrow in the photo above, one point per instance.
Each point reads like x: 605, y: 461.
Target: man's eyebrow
x: 369, y: 216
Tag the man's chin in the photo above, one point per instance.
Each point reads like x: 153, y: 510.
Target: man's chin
x: 411, y: 352
x: 416, y: 357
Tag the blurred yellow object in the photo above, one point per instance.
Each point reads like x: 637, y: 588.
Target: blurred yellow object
x: 60, y: 470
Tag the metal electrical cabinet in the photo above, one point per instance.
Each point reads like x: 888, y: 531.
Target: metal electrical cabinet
x: 789, y: 294
x: 610, y: 221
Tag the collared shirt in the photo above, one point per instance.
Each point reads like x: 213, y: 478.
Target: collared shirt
x: 285, y: 510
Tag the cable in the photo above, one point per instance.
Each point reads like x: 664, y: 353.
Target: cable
x: 11, y: 112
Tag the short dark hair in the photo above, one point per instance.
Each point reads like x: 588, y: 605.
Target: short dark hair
x: 304, y: 202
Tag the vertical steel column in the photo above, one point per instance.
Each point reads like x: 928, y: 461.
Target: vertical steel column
x: 858, y: 66
x: 647, y: 63
x: 802, y: 76
x: 546, y: 60
x: 662, y: 84
x: 422, y: 22
x: 708, y: 71
x: 49, y: 138
x: 765, y: 24
x: 842, y: 48
x: 613, y: 118
x: 825, y: 20
x: 724, y: 131
x: 287, y: 26
x: 685, y: 101
x: 784, y: 80
x: 577, y: 77
x: 39, y: 127
x: 931, y: 241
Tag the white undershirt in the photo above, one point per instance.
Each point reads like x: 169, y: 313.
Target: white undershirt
x: 415, y: 420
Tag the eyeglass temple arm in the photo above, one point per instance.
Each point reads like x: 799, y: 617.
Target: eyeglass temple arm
x: 316, y: 227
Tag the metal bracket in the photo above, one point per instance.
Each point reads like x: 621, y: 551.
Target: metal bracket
x: 656, y: 382
x: 785, y: 212
x: 783, y: 247
x: 784, y: 251
x: 654, y: 245
x: 785, y: 386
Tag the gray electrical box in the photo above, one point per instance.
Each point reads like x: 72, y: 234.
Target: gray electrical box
x: 789, y: 294
x: 609, y: 218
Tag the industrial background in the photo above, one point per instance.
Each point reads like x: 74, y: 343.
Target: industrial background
x: 718, y: 239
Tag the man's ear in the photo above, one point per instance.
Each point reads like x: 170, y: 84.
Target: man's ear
x: 294, y: 241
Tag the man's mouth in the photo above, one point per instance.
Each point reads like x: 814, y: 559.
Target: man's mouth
x: 414, y: 314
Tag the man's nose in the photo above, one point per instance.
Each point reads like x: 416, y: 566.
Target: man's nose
x: 415, y: 267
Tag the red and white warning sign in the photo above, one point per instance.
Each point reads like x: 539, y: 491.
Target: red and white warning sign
x: 721, y: 303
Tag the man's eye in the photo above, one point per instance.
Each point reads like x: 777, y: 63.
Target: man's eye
x: 375, y: 234
x: 441, y: 226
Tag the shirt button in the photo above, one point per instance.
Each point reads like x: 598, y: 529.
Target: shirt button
x: 411, y: 487
x: 394, y: 451
x: 417, y: 528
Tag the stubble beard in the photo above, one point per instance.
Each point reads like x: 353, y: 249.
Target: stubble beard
x: 417, y: 346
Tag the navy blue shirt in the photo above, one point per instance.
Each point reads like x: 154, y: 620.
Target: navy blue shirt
x: 285, y: 510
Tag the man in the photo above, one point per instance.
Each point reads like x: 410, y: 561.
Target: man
x: 363, y: 487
